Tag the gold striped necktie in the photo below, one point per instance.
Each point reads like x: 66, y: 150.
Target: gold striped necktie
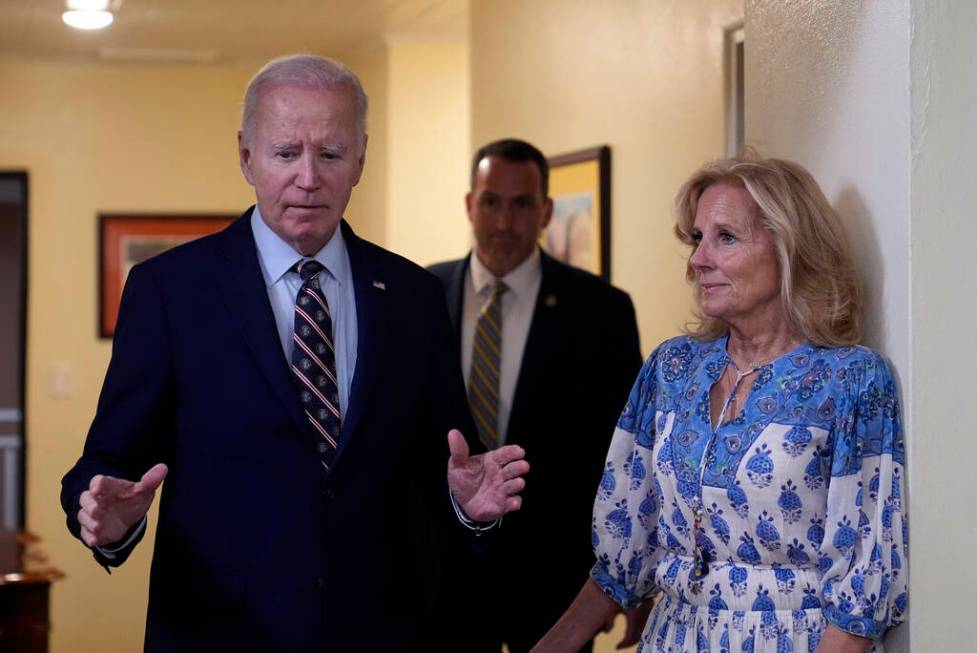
x: 483, y: 379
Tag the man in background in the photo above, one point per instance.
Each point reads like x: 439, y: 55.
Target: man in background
x: 549, y: 353
x: 289, y: 381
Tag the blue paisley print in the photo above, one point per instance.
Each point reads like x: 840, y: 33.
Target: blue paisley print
x: 803, y: 523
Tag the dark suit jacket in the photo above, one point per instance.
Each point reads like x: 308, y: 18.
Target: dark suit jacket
x: 256, y: 548
x: 581, y: 358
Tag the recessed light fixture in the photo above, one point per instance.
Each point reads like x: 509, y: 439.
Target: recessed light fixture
x: 87, y: 14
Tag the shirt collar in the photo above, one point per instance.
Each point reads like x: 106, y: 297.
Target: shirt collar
x: 277, y: 257
x: 520, y: 281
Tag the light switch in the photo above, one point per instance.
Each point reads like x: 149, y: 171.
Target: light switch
x: 61, y: 377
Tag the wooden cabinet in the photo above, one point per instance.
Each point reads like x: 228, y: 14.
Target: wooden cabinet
x: 25, y: 581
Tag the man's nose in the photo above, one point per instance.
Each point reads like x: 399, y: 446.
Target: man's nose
x: 504, y: 217
x: 307, y: 177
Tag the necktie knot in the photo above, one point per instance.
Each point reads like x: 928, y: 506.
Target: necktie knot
x: 499, y: 289
x: 308, y: 269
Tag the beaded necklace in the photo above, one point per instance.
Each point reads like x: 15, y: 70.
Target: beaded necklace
x: 700, y: 560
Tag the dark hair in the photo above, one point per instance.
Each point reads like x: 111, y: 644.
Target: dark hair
x: 514, y: 150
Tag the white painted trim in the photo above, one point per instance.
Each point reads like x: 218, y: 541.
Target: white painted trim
x: 11, y: 486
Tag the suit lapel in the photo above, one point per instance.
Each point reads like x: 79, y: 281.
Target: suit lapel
x: 544, y: 345
x: 371, y: 320
x: 243, y: 289
x: 455, y: 292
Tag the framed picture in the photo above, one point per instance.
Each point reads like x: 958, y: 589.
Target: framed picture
x: 125, y: 240
x: 580, y: 232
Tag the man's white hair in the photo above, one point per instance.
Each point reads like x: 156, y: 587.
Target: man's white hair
x: 304, y: 71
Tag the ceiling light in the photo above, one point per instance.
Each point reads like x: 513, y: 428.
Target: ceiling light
x: 87, y: 19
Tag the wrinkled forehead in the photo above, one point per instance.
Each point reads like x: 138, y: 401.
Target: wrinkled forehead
x: 339, y: 96
x: 726, y: 202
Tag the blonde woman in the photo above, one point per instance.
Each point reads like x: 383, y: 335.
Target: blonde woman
x: 755, y: 478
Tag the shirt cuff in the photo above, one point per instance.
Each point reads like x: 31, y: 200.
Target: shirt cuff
x: 854, y: 625
x: 466, y: 521
x: 109, y: 552
x: 615, y: 589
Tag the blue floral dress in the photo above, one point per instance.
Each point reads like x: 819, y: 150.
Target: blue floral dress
x: 800, y: 501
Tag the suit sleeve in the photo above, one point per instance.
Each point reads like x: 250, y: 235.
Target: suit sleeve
x: 618, y: 363
x: 136, y: 407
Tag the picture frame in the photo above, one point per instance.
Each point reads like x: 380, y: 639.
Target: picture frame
x: 125, y: 239
x: 579, y: 232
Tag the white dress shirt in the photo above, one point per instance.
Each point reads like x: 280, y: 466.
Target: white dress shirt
x: 518, y: 305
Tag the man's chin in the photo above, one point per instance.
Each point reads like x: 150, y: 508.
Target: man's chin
x: 308, y: 241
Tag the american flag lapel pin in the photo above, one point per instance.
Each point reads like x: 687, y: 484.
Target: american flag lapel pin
x: 379, y: 284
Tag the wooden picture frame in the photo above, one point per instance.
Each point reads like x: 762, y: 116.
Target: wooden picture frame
x: 127, y: 239
x: 579, y: 233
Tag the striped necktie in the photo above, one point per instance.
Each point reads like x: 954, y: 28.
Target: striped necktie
x: 314, y: 360
x: 483, y: 379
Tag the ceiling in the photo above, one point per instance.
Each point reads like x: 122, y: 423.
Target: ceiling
x: 223, y: 31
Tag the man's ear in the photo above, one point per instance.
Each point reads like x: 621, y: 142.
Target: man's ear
x: 244, y: 155
x: 548, y: 209
x: 468, y: 205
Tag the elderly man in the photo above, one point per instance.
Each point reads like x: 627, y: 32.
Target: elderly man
x: 550, y: 353
x: 289, y: 381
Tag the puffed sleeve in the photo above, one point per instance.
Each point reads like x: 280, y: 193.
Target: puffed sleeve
x: 627, y: 505
x: 864, y: 552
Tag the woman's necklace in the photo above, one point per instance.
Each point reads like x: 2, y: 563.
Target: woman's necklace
x: 700, y: 563
x: 740, y: 375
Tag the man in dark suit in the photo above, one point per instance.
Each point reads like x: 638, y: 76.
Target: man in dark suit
x: 549, y: 352
x: 289, y: 381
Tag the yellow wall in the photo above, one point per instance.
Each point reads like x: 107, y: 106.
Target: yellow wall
x: 427, y: 163
x: 645, y: 78
x: 367, y: 210
x: 100, y: 138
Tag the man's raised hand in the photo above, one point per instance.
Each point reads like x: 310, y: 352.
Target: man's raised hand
x: 486, y: 486
x: 111, y: 506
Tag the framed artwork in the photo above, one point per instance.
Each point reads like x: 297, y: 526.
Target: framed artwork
x: 735, y: 88
x: 125, y: 240
x: 579, y: 233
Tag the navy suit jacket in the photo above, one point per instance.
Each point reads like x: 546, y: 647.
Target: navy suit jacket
x: 256, y: 547
x: 581, y: 358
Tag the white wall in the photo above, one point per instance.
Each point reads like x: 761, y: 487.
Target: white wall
x: 876, y: 99
x: 827, y: 85
x: 943, y: 289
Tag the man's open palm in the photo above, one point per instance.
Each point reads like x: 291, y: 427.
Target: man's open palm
x: 111, y: 506
x: 487, y: 485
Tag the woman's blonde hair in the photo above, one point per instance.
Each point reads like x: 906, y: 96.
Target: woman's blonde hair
x: 819, y: 286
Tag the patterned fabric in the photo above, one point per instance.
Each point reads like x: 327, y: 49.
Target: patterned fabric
x: 802, y: 491
x: 483, y: 380
x: 314, y: 360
